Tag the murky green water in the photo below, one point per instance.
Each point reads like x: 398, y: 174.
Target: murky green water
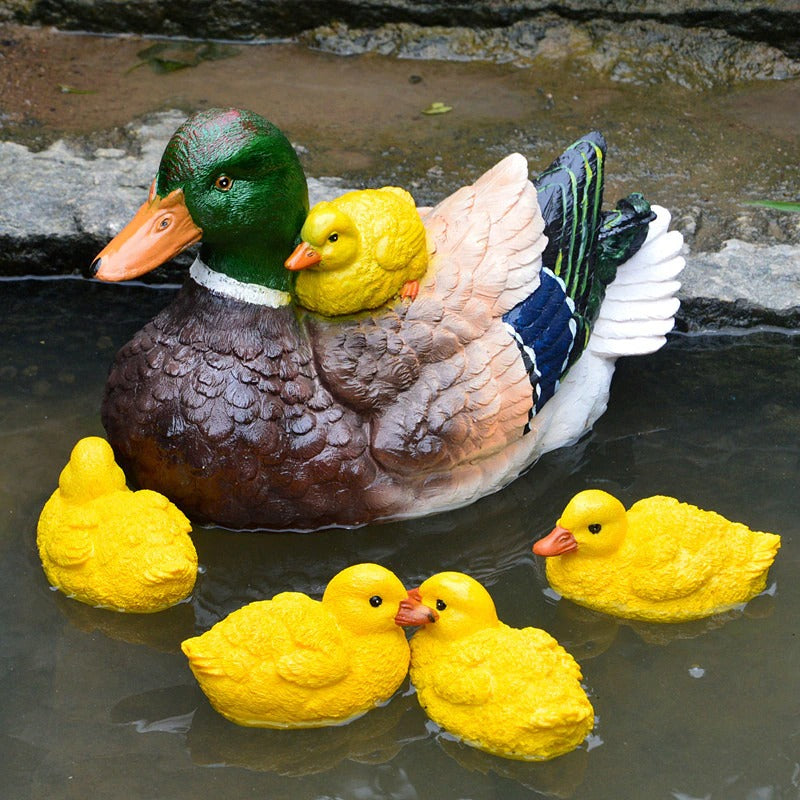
x: 102, y: 705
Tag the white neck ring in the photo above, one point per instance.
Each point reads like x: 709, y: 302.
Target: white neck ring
x: 222, y: 284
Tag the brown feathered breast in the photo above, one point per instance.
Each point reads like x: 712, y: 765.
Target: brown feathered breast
x: 218, y: 405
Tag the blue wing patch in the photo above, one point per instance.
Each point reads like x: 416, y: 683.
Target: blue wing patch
x: 544, y: 327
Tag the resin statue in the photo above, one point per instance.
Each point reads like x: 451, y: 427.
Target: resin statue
x: 661, y: 561
x: 359, y: 251
x: 294, y: 662
x: 107, y: 546
x: 513, y: 692
x: 250, y: 412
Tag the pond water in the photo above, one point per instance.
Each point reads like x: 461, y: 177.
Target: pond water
x: 103, y: 705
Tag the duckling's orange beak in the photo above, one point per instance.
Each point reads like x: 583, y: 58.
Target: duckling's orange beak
x: 556, y: 543
x: 413, y: 612
x: 160, y: 229
x: 303, y: 257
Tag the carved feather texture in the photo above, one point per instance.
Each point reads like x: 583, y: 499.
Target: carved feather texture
x: 454, y: 377
x: 640, y: 305
x: 212, y: 396
x: 510, y: 691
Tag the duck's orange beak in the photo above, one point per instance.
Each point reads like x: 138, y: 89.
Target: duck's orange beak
x: 160, y: 229
x: 556, y: 543
x: 413, y: 612
x: 303, y: 257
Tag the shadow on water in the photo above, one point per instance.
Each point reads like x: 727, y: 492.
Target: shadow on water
x: 98, y: 704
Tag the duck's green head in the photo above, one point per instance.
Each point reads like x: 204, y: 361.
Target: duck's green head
x: 229, y: 178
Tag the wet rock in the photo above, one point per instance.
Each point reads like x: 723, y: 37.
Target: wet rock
x: 640, y: 52
x: 75, y: 196
x: 73, y: 202
x: 744, y: 285
x: 698, y: 314
x: 763, y: 275
x: 774, y: 22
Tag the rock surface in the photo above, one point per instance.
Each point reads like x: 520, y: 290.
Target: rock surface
x: 73, y: 201
x: 742, y: 285
x: 643, y: 51
x: 774, y: 22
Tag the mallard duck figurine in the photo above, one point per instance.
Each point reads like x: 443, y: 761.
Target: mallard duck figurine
x: 660, y: 561
x: 248, y: 412
x: 359, y: 251
x: 295, y: 662
x: 107, y: 546
x: 513, y: 692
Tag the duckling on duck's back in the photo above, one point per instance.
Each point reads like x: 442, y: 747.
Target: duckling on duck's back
x: 249, y: 413
x: 359, y: 251
x: 661, y: 561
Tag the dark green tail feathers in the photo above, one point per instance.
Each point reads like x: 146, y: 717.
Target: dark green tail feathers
x: 586, y: 244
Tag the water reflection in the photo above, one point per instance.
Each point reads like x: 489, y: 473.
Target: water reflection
x: 587, y: 633
x: 375, y: 738
x: 163, y: 631
x: 557, y: 778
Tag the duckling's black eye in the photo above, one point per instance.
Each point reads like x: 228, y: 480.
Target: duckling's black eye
x: 334, y: 237
x: 441, y: 605
x: 223, y: 183
x: 375, y: 600
x: 595, y: 527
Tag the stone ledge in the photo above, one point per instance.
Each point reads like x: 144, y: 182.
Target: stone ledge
x: 774, y: 22
x: 72, y: 202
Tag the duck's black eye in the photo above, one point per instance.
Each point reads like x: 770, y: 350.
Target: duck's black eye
x: 595, y: 527
x: 375, y: 600
x: 441, y: 605
x: 334, y: 237
x: 223, y: 183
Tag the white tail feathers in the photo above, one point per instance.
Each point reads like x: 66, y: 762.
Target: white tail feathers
x: 640, y: 304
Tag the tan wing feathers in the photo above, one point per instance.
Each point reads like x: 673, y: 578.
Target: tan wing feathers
x: 457, y: 387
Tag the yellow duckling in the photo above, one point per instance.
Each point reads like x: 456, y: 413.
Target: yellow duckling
x: 107, y: 546
x: 661, y: 561
x: 294, y: 662
x: 513, y: 692
x: 359, y: 251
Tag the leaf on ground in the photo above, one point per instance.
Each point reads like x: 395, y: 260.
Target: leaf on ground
x: 437, y: 108
x: 65, y: 89
x: 776, y: 205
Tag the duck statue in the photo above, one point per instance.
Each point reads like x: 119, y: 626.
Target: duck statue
x: 513, y: 692
x: 109, y: 547
x: 359, y: 251
x: 252, y: 413
x: 295, y: 662
x: 659, y: 561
